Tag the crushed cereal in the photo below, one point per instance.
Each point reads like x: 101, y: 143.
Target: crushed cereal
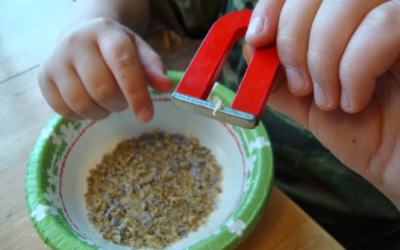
x: 153, y: 190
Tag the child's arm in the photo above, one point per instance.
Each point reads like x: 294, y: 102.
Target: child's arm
x: 100, y: 65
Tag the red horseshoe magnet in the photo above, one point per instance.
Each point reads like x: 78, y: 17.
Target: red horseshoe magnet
x: 198, y: 80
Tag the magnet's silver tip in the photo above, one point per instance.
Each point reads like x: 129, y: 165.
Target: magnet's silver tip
x: 205, y: 108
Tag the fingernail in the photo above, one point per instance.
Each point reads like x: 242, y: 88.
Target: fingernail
x: 321, y: 99
x: 296, y: 81
x: 145, y: 114
x: 256, y: 26
x: 345, y: 102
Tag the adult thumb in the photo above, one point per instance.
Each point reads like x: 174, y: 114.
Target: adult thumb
x: 264, y: 21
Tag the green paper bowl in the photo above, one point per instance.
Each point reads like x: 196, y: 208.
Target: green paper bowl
x: 66, y: 150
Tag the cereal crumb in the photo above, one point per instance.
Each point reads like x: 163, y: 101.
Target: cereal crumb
x: 218, y: 106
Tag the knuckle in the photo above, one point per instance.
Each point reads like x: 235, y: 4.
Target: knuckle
x: 119, y: 49
x: 104, y: 22
x: 48, y: 67
x: 385, y: 16
x: 347, y: 70
x: 125, y: 60
x: 104, y: 92
x: 289, y: 39
x: 315, y: 60
x: 289, y: 47
x: 82, y: 106
x: 71, y: 39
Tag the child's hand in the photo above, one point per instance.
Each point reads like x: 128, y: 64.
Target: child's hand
x: 101, y: 67
x: 348, y: 54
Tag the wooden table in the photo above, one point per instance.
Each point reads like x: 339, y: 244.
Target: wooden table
x: 28, y: 29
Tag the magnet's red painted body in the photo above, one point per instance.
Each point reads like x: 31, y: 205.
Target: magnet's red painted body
x: 206, y: 65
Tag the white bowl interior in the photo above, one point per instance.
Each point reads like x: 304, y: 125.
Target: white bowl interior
x: 102, y: 137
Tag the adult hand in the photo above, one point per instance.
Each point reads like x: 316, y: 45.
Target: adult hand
x: 340, y: 78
